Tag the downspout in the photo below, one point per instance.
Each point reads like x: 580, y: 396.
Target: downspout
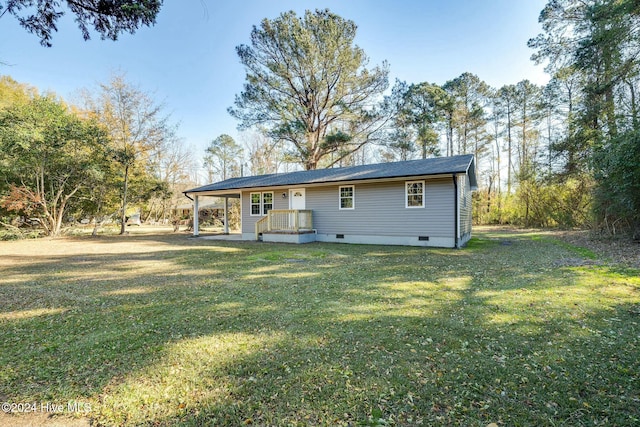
x: 196, y: 217
x: 455, y: 210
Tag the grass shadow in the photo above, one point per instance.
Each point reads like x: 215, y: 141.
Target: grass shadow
x: 224, y: 333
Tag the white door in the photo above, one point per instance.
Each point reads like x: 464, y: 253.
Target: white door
x: 297, y: 202
x: 297, y: 199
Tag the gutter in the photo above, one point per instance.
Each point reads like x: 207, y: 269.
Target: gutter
x: 455, y: 210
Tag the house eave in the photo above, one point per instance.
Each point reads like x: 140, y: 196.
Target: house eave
x: 233, y: 194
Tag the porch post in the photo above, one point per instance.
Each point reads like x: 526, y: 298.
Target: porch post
x: 226, y: 215
x: 196, y: 225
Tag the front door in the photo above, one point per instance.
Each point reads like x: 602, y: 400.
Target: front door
x: 297, y: 202
x: 297, y: 199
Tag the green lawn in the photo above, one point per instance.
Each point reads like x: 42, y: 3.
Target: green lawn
x: 163, y: 330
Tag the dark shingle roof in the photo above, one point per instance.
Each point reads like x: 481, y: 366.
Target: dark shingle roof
x: 433, y: 166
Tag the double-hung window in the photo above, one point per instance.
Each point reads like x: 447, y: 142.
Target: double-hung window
x: 414, y: 194
x: 255, y: 204
x: 347, y: 197
x: 261, y: 203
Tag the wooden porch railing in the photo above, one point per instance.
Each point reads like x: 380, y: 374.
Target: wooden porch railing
x: 261, y: 226
x: 285, y: 220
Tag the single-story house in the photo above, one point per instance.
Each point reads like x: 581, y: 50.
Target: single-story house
x: 417, y: 202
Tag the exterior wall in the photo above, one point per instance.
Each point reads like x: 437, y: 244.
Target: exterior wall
x: 466, y: 209
x: 380, y: 211
x: 380, y: 215
x: 249, y: 221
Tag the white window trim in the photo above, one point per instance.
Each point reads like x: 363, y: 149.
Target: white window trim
x: 273, y: 201
x: 261, y: 203
x: 406, y: 194
x: 353, y: 197
x: 251, y: 205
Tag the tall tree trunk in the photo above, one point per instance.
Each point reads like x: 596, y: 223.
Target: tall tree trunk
x: 125, y: 185
x: 523, y: 154
x: 499, y: 181
x: 96, y: 222
x: 450, y: 135
x: 509, y: 149
x: 609, y: 106
x: 634, y: 106
x: 58, y: 217
x: 610, y: 113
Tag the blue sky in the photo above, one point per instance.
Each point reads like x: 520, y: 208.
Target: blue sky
x: 188, y: 60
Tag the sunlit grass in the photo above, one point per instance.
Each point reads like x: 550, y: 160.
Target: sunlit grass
x: 168, y: 330
x: 25, y: 314
x: 128, y: 291
x: 191, y: 373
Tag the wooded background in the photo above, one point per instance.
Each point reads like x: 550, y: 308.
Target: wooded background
x: 566, y: 154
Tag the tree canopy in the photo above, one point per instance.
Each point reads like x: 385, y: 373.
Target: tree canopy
x: 417, y: 109
x: 595, y: 44
x: 563, y: 154
x: 107, y: 18
x: 48, y: 156
x: 307, y: 83
x: 223, y: 158
x: 137, y: 131
x: 60, y: 163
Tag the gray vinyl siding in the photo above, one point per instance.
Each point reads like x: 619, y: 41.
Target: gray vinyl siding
x: 380, y: 210
x: 249, y: 221
x: 464, y: 188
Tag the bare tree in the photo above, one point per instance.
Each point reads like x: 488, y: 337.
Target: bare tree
x: 137, y: 129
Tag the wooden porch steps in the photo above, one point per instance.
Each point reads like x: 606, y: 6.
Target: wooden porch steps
x: 286, y: 222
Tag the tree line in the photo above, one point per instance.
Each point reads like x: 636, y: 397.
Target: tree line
x: 563, y: 154
x: 60, y: 162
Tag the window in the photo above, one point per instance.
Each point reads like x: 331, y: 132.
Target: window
x: 261, y: 203
x: 267, y: 202
x: 255, y: 204
x: 347, y: 195
x: 415, y: 194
